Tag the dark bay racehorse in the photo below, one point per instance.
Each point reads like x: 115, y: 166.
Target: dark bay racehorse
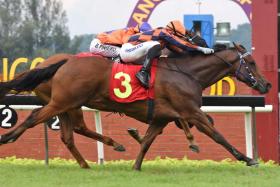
x: 178, y: 92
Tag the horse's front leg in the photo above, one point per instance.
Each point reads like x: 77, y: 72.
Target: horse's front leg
x: 185, y: 127
x: 201, y: 122
x: 151, y: 134
x: 136, y: 136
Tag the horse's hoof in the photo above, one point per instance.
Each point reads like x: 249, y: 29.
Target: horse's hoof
x: 119, y: 148
x: 253, y: 163
x: 194, y: 148
x: 133, y: 132
x: 136, y: 168
x: 85, y: 166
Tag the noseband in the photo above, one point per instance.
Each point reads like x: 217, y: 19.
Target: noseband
x: 249, y: 76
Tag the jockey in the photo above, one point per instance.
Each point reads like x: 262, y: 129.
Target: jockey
x: 108, y: 43
x: 150, y: 43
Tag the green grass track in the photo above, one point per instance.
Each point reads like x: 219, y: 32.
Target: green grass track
x: 157, y: 173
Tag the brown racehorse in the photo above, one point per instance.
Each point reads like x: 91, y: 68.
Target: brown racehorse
x: 73, y: 120
x: 43, y: 91
x: 178, y: 91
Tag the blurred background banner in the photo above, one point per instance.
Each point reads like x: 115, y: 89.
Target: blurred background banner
x: 246, y: 6
x: 144, y: 8
x: 142, y: 11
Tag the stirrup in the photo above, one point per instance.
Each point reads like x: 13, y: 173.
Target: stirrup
x: 141, y: 77
x: 116, y: 59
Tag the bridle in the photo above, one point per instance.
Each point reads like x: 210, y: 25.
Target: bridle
x: 249, y: 76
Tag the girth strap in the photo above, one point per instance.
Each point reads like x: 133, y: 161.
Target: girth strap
x: 151, y: 106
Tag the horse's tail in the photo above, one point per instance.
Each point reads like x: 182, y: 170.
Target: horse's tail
x: 29, y: 80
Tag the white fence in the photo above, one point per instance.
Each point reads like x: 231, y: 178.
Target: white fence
x: 249, y: 114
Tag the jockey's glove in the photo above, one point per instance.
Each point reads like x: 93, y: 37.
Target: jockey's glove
x: 205, y: 50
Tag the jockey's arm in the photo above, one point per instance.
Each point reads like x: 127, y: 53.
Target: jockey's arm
x: 176, y: 41
x: 182, y: 44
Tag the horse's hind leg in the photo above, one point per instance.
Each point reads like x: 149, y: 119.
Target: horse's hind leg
x: 151, y: 134
x: 201, y: 122
x: 14, y: 134
x: 37, y: 116
x: 66, y: 130
x: 80, y: 127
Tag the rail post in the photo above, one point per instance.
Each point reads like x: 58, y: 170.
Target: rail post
x: 254, y: 135
x: 46, y: 144
x: 100, y: 147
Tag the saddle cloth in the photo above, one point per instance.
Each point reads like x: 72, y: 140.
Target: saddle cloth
x: 124, y: 86
x: 89, y: 54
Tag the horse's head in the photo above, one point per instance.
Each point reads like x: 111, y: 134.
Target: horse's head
x: 248, y: 72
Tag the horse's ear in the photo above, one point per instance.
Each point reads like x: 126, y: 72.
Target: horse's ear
x: 235, y: 45
x: 239, y: 47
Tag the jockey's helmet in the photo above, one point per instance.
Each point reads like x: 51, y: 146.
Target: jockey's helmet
x: 143, y: 27
x: 176, y: 27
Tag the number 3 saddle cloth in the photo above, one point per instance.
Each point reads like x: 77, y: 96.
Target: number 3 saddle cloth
x: 125, y: 87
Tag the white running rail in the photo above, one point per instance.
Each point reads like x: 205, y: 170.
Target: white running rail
x: 209, y: 109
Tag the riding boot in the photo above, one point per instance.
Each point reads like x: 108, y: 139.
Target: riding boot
x: 144, y: 74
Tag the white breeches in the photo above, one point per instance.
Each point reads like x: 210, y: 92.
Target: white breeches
x: 97, y: 47
x: 131, y: 53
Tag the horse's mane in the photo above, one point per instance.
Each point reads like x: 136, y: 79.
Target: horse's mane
x: 220, y: 47
x: 173, y: 54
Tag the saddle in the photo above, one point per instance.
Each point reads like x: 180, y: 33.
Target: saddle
x: 90, y: 54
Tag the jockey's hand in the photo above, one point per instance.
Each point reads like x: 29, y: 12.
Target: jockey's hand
x: 205, y: 50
